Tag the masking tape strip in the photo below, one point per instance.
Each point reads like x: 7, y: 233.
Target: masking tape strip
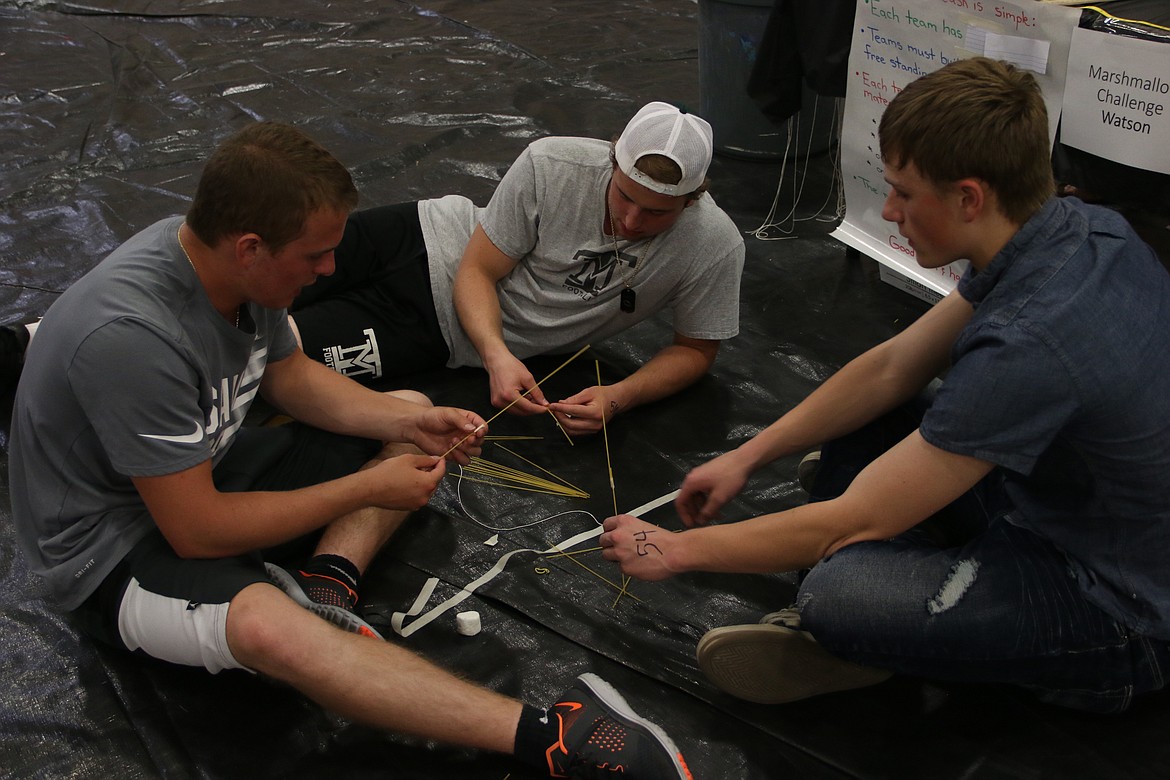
x: 398, y: 619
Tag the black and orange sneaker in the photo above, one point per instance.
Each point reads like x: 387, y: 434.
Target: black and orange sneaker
x: 332, y: 600
x: 324, y: 589
x: 600, y: 736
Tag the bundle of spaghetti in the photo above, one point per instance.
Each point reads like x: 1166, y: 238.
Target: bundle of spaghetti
x: 500, y: 475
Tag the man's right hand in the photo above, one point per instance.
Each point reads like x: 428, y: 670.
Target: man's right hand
x: 406, y: 482
x: 707, y: 488
x: 510, y: 378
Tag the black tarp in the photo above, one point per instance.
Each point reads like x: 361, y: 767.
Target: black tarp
x: 107, y: 110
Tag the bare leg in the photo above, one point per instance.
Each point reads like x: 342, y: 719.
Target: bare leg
x: 378, y: 683
x: 358, y: 536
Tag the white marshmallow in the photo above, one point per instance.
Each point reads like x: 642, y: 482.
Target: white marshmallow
x: 467, y: 623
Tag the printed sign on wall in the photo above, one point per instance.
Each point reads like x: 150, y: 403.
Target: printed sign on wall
x: 894, y: 42
x: 1117, y: 100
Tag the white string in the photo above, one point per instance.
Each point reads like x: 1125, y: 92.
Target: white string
x: 481, y: 524
x: 786, y: 225
x: 398, y: 619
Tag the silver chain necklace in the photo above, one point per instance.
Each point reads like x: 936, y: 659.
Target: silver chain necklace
x: 629, y: 298
x: 186, y: 254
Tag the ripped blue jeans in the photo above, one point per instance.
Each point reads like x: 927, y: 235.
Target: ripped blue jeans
x: 968, y: 596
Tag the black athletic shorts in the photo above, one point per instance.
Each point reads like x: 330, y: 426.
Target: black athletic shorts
x: 374, y: 318
x: 175, y: 609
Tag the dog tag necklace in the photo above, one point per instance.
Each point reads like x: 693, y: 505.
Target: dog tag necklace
x: 629, y: 298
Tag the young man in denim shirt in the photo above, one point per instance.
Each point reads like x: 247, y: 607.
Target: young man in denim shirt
x: 1015, y: 532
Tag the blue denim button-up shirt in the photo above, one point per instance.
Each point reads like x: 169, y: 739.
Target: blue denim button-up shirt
x: 1062, y: 377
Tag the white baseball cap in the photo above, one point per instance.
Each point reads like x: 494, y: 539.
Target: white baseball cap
x: 660, y: 128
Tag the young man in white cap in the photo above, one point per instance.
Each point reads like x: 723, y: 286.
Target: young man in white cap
x: 582, y: 239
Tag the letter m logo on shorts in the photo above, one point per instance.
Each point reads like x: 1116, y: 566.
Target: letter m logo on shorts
x: 364, y: 358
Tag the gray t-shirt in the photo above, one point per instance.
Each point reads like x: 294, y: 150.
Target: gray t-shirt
x: 549, y: 211
x: 133, y: 373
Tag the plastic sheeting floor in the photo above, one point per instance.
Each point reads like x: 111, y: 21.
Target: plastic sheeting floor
x: 108, y: 111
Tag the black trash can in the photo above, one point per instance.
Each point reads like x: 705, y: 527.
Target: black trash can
x: 730, y: 32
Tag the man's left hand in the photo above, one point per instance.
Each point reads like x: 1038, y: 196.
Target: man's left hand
x: 642, y: 549
x: 580, y: 414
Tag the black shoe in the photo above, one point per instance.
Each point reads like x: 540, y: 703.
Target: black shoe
x: 321, y: 599
x: 13, y: 343
x: 600, y: 736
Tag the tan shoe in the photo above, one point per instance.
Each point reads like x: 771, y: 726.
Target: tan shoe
x: 789, y: 617
x: 806, y: 470
x: 769, y: 664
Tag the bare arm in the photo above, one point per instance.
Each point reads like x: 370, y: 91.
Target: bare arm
x: 478, y: 305
x: 903, y: 487
x: 675, y: 367
x: 201, y: 522
x: 319, y: 396
x: 864, y: 389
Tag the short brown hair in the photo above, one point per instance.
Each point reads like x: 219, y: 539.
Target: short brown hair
x: 267, y: 179
x: 979, y: 118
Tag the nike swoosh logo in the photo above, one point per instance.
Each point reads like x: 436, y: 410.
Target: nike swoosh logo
x: 191, y: 438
